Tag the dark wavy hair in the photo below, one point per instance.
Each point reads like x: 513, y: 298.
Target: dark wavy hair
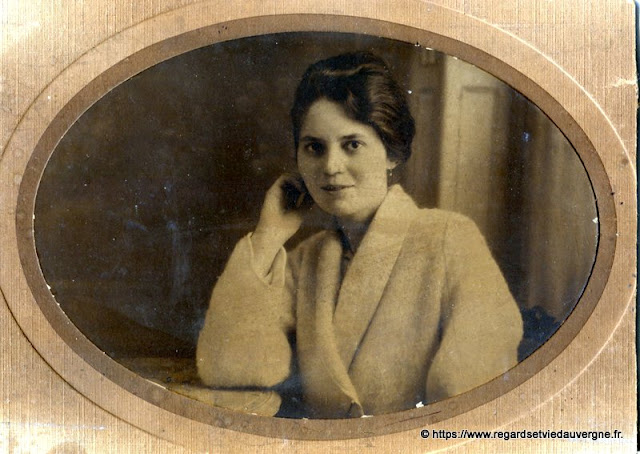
x: 363, y: 85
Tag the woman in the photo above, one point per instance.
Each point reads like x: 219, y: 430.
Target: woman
x: 392, y: 307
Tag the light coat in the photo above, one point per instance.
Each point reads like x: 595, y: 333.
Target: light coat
x: 422, y: 313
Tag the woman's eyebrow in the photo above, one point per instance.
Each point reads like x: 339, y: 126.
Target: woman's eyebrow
x: 351, y: 137
x: 310, y: 139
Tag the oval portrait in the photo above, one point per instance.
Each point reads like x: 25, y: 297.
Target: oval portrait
x: 316, y: 225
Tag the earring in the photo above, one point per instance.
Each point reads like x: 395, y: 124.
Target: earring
x: 389, y: 173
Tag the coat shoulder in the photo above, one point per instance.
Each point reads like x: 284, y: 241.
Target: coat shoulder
x: 438, y: 216
x: 439, y: 223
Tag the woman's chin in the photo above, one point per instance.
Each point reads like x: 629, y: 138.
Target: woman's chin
x: 348, y: 208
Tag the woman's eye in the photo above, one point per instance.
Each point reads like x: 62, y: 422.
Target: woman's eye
x: 314, y: 148
x: 353, y: 145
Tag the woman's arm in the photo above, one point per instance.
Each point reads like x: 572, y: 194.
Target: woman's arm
x: 481, y: 322
x: 243, y: 342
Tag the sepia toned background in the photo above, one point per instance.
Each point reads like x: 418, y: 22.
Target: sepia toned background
x: 145, y: 196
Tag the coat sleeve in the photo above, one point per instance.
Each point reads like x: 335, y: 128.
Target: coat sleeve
x: 480, y: 321
x: 243, y: 342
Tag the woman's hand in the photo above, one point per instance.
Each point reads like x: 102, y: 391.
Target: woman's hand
x: 285, y: 204
x: 283, y: 211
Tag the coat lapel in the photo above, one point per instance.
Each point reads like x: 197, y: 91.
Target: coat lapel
x: 367, y: 276
x: 329, y: 387
x: 329, y: 334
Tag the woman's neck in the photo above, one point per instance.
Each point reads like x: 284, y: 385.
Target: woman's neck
x: 353, y: 231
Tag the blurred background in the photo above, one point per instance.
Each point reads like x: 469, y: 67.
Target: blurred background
x: 145, y: 196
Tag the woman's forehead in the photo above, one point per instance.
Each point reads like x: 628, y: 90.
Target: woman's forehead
x: 328, y: 120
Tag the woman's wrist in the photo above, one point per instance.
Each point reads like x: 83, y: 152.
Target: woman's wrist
x: 271, y: 235
x: 265, y: 245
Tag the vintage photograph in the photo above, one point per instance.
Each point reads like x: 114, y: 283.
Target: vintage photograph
x: 316, y: 225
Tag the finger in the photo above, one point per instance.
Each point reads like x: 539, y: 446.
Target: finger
x: 294, y: 179
x: 300, y: 199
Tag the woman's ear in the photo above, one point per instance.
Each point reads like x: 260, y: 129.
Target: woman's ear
x: 391, y: 164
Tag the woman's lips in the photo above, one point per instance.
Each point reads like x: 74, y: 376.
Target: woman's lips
x: 335, y: 187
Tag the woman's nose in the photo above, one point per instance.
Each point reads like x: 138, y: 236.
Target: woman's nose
x: 334, y: 161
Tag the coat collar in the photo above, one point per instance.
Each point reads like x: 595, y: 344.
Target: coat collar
x: 334, y: 317
x: 369, y: 271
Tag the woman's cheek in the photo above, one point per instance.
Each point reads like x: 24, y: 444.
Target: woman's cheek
x: 308, y: 174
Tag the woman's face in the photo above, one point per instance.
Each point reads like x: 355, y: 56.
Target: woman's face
x: 343, y: 162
